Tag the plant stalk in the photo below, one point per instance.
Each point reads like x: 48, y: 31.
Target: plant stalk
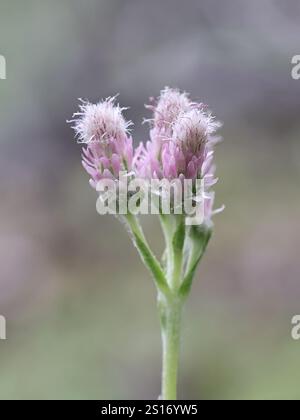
x: 170, y: 312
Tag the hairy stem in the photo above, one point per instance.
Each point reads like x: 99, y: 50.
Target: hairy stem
x: 170, y: 308
x: 146, y: 254
x: 168, y: 231
x: 170, y: 312
x: 174, y: 232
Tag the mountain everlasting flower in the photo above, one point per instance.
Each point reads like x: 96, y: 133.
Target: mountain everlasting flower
x: 181, y: 143
x: 181, y: 148
x: 169, y: 106
x: 104, y: 133
x: 166, y: 110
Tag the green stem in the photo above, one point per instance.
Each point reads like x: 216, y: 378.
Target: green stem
x: 177, y: 269
x: 168, y: 231
x: 173, y: 285
x: 198, y: 246
x: 170, y: 330
x: 147, y: 255
x: 170, y: 307
x: 174, y: 232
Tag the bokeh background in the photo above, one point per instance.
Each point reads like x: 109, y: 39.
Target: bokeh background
x: 80, y: 307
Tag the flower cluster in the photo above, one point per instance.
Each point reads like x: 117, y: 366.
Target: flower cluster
x: 181, y: 143
x: 182, y: 138
x: 104, y: 132
x: 178, y: 155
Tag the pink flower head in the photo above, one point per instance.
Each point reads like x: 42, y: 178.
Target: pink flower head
x: 107, y: 145
x: 166, y: 110
x: 181, y: 143
x: 170, y: 104
x: 182, y: 138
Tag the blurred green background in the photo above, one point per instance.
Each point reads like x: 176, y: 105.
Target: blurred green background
x: 80, y: 307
